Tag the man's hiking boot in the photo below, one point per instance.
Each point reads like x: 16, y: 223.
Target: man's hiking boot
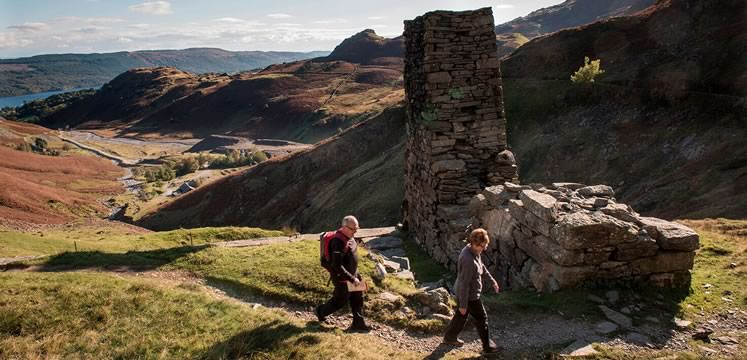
x: 456, y: 342
x: 359, y: 328
x: 317, y: 312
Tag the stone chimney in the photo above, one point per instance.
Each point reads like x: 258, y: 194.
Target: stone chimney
x: 456, y: 125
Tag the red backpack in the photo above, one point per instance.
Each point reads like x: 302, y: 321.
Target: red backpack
x: 324, y: 239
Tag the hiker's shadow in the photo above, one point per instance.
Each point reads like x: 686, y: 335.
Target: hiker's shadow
x: 261, y: 341
x: 442, y: 350
x: 131, y: 260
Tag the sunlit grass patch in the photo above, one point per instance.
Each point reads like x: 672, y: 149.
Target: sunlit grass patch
x: 87, y: 315
x: 85, y: 238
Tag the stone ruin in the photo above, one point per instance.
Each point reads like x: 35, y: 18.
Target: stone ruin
x: 455, y: 124
x: 460, y: 174
x: 565, y: 234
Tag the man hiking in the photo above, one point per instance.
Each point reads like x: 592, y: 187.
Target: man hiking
x: 471, y: 273
x: 339, y: 255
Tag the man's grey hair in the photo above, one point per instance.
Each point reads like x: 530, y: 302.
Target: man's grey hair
x: 349, y: 220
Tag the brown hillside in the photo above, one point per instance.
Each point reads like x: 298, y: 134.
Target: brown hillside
x: 569, y: 14
x: 128, y: 98
x: 295, y: 101
x: 357, y: 172
x: 666, y: 125
x: 51, y: 189
x: 13, y: 133
x: 673, y: 47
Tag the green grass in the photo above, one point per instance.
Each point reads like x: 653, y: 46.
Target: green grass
x: 14, y: 243
x: 425, y: 268
x: 285, y: 272
x: 291, y: 272
x: 722, y: 242
x: 89, y: 315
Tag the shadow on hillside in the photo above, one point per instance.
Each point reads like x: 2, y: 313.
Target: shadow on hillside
x: 638, y: 315
x: 129, y: 261
x: 249, y: 293
x: 274, y: 339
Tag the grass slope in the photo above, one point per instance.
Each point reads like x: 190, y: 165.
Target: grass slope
x: 86, y: 315
x: 115, y: 240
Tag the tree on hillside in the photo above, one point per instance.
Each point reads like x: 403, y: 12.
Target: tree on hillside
x: 588, y: 72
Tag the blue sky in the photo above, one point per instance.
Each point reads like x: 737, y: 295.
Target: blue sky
x: 32, y: 27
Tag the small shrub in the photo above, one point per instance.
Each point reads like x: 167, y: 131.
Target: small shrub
x: 588, y: 72
x: 187, y: 166
x: 24, y: 147
x: 40, y: 143
x: 288, y: 230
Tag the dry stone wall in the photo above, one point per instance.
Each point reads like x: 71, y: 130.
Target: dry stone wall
x: 455, y: 123
x: 566, y: 235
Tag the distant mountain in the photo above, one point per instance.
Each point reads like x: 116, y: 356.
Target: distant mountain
x: 570, y: 13
x: 302, y: 101
x: 366, y: 47
x: 67, y: 71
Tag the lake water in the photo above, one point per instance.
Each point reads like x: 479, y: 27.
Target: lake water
x: 19, y: 100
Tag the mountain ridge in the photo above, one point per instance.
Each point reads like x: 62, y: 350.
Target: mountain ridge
x: 569, y: 14
x: 20, y: 76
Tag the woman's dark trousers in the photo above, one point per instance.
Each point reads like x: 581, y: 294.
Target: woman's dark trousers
x: 474, y: 308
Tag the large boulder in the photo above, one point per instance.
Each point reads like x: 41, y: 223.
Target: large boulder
x: 498, y: 195
x: 384, y: 242
x: 597, y: 190
x: 436, y: 299
x: 498, y: 223
x: 671, y: 235
x: 663, y: 262
x: 477, y: 205
x: 622, y: 212
x: 585, y: 229
x: 543, y: 206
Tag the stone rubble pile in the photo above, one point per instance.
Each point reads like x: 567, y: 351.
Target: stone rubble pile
x: 566, y: 234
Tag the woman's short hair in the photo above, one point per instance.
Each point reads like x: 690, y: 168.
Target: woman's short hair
x: 479, y: 237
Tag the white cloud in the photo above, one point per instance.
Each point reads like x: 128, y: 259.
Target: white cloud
x: 230, y: 20
x: 375, y: 18
x: 152, y: 8
x: 7, y: 40
x: 503, y: 6
x: 139, y: 26
x: 286, y: 25
x: 30, y: 27
x: 124, y: 40
x: 331, y: 21
x: 279, y: 16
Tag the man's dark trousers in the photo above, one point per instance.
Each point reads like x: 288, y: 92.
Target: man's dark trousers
x: 474, y: 308
x: 340, y: 296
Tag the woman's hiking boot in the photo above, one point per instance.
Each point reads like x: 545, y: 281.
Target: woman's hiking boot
x: 456, y: 342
